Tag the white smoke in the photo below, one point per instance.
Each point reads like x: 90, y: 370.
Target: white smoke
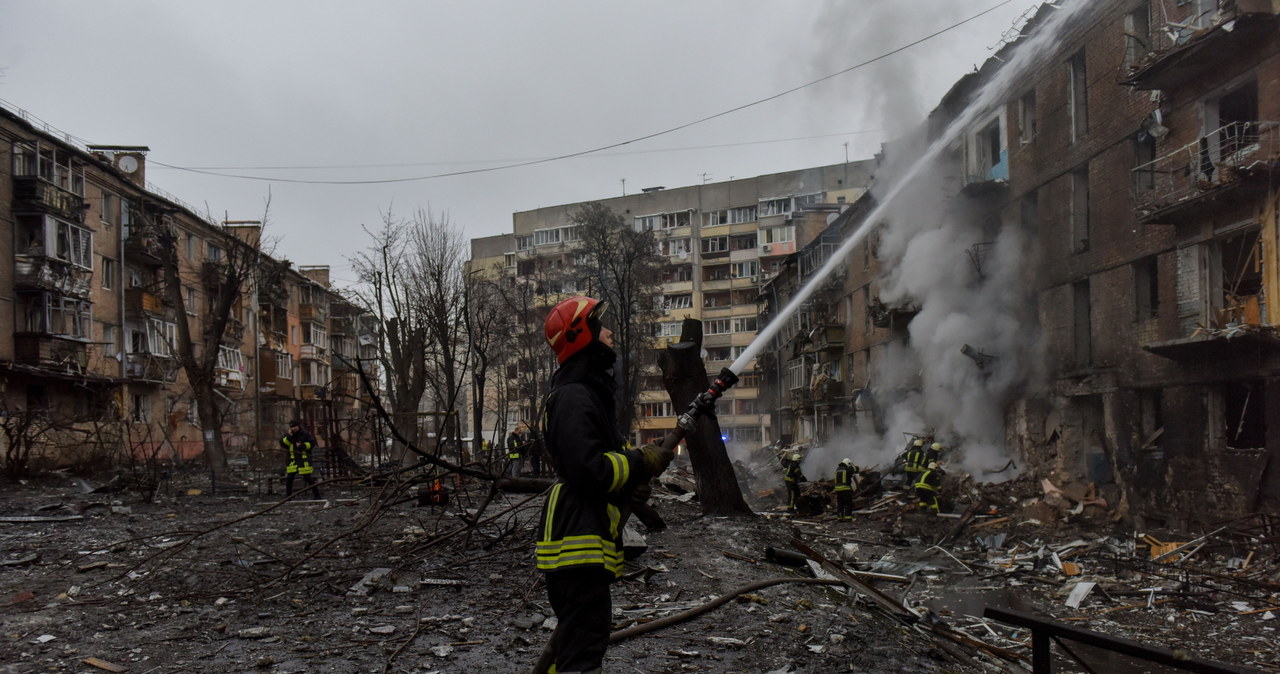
x: 969, y: 275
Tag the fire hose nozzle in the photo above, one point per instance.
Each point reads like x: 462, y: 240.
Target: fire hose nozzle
x: 702, y: 405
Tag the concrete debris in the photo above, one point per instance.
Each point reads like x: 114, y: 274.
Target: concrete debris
x: 369, y: 583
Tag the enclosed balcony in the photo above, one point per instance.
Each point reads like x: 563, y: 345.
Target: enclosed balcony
x: 35, y: 193
x: 50, y: 351
x: 1234, y: 161
x: 43, y: 273
x: 148, y: 367
x: 140, y: 303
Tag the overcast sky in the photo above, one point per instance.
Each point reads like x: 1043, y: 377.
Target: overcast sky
x: 314, y: 90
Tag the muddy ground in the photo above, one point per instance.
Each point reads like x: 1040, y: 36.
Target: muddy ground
x: 191, y: 582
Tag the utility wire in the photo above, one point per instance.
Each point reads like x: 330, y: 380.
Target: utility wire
x: 611, y: 146
x: 489, y: 161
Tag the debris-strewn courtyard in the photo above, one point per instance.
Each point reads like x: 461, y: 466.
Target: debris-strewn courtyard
x: 369, y: 580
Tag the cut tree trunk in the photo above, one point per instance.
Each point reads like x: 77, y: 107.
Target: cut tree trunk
x: 685, y: 376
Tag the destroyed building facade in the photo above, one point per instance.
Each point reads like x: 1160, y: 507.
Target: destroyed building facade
x: 89, y: 368
x: 1138, y: 155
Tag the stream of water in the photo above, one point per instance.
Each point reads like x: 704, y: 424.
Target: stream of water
x: 1024, y: 56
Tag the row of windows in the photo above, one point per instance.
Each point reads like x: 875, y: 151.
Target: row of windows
x: 725, y: 216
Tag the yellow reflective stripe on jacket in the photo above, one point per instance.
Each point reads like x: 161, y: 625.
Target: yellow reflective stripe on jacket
x: 555, y: 554
x: 576, y: 550
x: 621, y: 470
x: 921, y: 484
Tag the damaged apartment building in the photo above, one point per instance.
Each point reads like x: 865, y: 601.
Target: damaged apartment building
x: 721, y: 240
x: 90, y: 334
x: 1135, y: 156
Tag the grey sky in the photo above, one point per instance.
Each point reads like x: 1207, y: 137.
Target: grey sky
x: 393, y: 90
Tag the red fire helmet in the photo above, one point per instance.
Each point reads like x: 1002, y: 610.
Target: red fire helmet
x: 566, y: 328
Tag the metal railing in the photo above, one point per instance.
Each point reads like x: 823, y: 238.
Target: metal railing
x: 1044, y: 633
x: 83, y: 146
x: 1212, y: 161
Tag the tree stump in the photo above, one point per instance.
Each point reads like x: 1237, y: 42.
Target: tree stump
x: 685, y: 376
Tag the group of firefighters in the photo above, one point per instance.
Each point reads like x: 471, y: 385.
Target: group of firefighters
x: 921, y: 468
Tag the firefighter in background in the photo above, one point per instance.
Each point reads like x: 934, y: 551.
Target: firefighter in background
x: 513, y: 454
x: 298, y: 444
x: 846, y: 480
x: 579, y: 545
x: 913, y: 462
x: 933, y: 454
x: 533, y: 449
x: 927, y: 486
x: 793, y: 476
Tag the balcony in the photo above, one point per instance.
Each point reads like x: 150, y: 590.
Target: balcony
x: 232, y: 334
x: 1188, y: 50
x: 43, y: 273
x: 885, y: 316
x: 59, y: 353
x: 227, y: 379
x: 314, y: 352
x: 147, y: 367
x: 143, y: 243
x: 38, y: 194
x: 1233, y: 162
x: 829, y: 336
x: 139, y: 303
x: 317, y: 313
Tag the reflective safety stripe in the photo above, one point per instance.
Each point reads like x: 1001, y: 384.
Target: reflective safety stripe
x: 621, y: 470
x: 576, y: 550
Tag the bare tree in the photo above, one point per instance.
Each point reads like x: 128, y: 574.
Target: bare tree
x: 484, y: 319
x: 622, y: 266
x: 227, y: 282
x: 524, y: 299
x: 438, y: 251
x: 412, y: 281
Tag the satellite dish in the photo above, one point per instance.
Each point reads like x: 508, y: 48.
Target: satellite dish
x: 127, y: 163
x: 684, y: 254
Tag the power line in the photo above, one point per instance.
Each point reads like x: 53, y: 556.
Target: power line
x: 545, y: 160
x: 488, y: 161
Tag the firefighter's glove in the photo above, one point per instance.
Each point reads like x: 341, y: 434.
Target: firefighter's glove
x: 656, y: 459
x: 641, y: 492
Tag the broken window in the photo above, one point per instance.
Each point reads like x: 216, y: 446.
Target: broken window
x: 1137, y: 34
x: 1027, y: 116
x: 51, y: 314
x: 677, y: 219
x: 1077, y: 96
x: 774, y: 207
x: 1146, y: 288
x: 1239, y: 272
x: 1150, y: 403
x: 1082, y: 337
x: 1230, y: 133
x: 987, y: 161
x: 1080, y: 209
x: 1245, y: 415
x: 678, y: 273
x: 1144, y: 157
x: 715, y: 244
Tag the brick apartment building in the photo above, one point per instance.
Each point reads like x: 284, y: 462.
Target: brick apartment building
x: 88, y: 363
x: 1134, y: 152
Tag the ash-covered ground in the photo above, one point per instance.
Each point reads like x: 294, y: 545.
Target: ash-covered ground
x: 371, y: 581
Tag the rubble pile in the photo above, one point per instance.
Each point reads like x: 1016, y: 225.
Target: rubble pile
x: 372, y: 581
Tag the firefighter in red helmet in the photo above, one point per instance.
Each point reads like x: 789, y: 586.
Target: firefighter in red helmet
x: 580, y: 539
